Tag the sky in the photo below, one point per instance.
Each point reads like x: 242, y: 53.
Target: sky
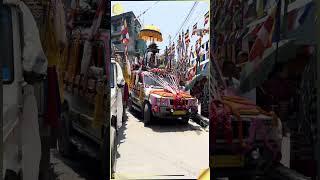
x: 168, y: 16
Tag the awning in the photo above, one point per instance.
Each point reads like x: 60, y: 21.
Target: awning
x: 252, y: 77
x: 302, y: 28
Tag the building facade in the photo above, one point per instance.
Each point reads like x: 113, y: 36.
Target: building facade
x: 135, y: 45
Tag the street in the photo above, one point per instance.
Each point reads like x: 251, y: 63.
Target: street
x: 79, y: 167
x: 166, y: 149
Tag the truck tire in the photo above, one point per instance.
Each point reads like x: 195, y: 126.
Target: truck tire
x: 147, y: 115
x: 124, y: 116
x: 185, y: 120
x: 130, y: 108
x: 64, y: 145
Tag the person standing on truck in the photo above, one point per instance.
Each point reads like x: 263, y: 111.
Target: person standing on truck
x: 230, y: 74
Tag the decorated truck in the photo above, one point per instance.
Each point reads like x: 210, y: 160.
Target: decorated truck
x: 245, y: 141
x: 156, y: 94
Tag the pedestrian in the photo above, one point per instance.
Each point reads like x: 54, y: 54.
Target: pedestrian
x: 242, y: 58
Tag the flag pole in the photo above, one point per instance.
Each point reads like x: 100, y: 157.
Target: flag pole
x: 170, y: 57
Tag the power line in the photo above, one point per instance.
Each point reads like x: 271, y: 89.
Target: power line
x: 198, y: 18
x: 147, y: 10
x: 186, y: 19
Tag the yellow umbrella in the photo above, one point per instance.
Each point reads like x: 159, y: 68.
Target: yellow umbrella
x: 150, y: 33
x: 117, y: 9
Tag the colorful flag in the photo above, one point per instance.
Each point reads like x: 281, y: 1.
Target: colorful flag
x: 182, y: 43
x: 173, y: 47
x: 264, y: 36
x: 256, y: 29
x: 187, y: 39
x: 199, y: 32
x: 206, y: 18
x: 179, y: 44
x: 98, y: 17
x: 277, y: 28
x: 205, y: 31
x: 260, y: 8
x: 191, y: 52
x: 207, y: 46
x: 194, y: 29
x: 250, y: 11
x: 203, y: 57
x: 297, y: 17
x: 124, y: 33
x: 194, y: 53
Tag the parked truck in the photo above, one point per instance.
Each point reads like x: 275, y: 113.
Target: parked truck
x: 79, y: 124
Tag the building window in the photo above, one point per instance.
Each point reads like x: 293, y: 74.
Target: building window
x: 116, y: 27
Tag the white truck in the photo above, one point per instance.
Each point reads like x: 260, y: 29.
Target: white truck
x: 21, y: 136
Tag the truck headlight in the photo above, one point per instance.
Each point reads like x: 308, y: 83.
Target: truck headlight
x: 255, y: 154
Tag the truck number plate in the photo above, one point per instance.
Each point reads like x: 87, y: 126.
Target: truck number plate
x: 179, y: 113
x: 226, y: 161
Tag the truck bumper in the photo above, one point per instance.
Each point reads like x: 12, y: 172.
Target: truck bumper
x: 167, y: 113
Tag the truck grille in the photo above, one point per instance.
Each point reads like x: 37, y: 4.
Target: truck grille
x: 181, y: 103
x: 245, y: 130
x: 235, y: 130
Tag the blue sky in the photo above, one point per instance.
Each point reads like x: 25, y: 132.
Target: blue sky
x: 168, y: 16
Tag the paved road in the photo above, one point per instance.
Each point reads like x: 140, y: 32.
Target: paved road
x: 78, y: 167
x: 167, y: 149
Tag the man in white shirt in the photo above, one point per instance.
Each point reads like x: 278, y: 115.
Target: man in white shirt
x: 229, y: 72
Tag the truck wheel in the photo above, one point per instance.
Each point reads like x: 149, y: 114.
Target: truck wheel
x: 185, y: 120
x: 64, y: 145
x: 147, y: 114
x: 130, y: 104
x: 124, y: 116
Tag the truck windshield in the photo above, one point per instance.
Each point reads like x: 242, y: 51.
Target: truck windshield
x: 6, y: 49
x: 148, y: 81
x: 112, y: 75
